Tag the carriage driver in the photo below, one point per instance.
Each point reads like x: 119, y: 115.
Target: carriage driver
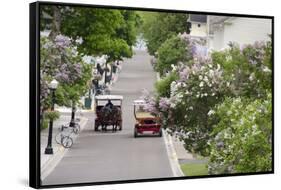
x: 109, y: 105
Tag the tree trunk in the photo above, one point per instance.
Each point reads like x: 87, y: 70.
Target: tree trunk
x: 56, y: 23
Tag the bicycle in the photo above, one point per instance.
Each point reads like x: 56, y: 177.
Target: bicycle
x: 102, y: 90
x: 76, y: 127
x: 63, y: 137
x: 66, y: 142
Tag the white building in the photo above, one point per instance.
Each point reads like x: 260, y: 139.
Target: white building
x: 198, y: 25
x: 242, y: 30
x: 220, y: 30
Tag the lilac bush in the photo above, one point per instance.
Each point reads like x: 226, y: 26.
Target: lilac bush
x: 164, y: 104
x: 247, y: 69
x: 62, y: 41
x: 241, y: 139
x: 205, y: 82
x: 199, y: 88
x: 60, y: 60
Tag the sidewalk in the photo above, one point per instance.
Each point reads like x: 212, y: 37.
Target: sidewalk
x: 182, y: 153
x: 178, y: 155
x: 49, y: 161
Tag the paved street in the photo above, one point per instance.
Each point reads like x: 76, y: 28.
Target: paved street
x: 106, y: 156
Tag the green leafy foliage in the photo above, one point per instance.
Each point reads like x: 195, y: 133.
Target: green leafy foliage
x: 51, y: 115
x: 163, y: 86
x: 202, y: 110
x: 59, y: 60
x: 171, y: 52
x: 67, y: 94
x: 248, y: 70
x: 242, y: 137
x: 158, y: 27
x: 105, y: 31
x: 199, y: 88
x: 44, y: 124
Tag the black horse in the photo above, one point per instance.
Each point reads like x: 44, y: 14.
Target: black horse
x: 111, y: 117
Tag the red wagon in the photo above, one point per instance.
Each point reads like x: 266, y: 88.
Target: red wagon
x: 145, y: 121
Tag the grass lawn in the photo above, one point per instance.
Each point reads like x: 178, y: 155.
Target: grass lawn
x: 194, y: 169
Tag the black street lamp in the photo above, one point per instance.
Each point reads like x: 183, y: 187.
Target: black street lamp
x: 52, y: 86
x: 73, y: 110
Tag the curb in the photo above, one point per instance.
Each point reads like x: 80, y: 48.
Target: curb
x: 172, y: 155
x: 50, y: 165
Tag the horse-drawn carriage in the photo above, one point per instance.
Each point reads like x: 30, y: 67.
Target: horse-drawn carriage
x: 145, y: 121
x: 108, y: 112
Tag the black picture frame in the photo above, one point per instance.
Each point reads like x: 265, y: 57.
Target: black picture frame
x: 34, y: 93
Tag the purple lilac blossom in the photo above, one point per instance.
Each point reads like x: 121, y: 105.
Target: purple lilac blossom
x: 164, y: 104
x: 62, y: 41
x: 184, y: 74
x: 151, y: 106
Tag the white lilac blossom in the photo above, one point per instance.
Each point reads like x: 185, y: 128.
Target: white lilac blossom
x: 79, y: 40
x: 266, y: 69
x: 252, y: 76
x: 173, y: 67
x: 211, y: 112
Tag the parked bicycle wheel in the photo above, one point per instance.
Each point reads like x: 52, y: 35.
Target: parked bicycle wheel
x: 58, y: 137
x: 77, y: 125
x: 60, y: 134
x: 66, y: 142
x: 76, y: 128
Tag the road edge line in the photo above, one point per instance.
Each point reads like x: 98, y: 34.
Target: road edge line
x: 172, y: 155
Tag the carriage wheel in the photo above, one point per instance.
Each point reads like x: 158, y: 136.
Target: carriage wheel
x: 114, y: 128
x: 160, y: 132
x: 96, y: 127
x: 135, y: 133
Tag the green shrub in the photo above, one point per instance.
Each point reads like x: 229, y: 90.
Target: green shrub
x: 163, y: 86
x: 247, y: 70
x: 172, y: 51
x: 241, y: 140
x: 54, y: 115
x: 44, y: 124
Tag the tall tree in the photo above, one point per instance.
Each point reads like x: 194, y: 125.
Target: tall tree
x: 158, y: 27
x: 61, y: 61
x: 104, y: 31
x: 172, y: 51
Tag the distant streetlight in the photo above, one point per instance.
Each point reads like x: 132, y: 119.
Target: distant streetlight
x: 52, y: 86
